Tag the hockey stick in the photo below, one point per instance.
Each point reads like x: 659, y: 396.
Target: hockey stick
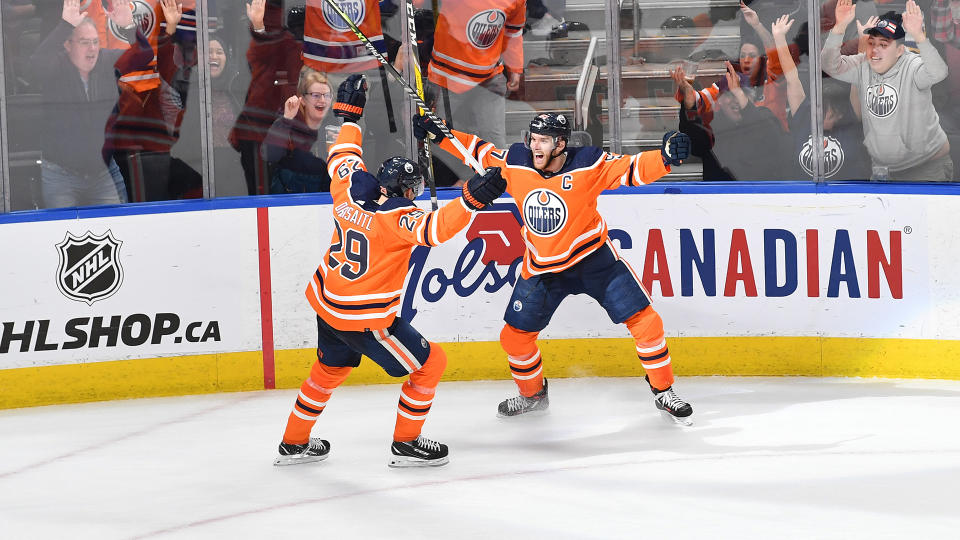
x: 410, y: 91
x: 424, y: 145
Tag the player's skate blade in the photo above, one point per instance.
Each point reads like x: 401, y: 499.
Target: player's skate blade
x: 535, y: 405
x: 296, y: 454
x: 683, y: 421
x: 420, y: 452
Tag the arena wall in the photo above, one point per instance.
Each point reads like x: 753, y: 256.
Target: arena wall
x: 207, y: 296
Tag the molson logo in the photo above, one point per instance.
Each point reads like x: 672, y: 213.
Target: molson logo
x: 491, y: 261
x: 832, y: 156
x: 355, y: 9
x: 485, y: 27
x: 545, y: 211
x: 143, y: 16
x: 882, y: 99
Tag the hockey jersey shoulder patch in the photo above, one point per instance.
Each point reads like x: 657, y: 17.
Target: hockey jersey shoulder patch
x: 394, y: 203
x: 518, y: 154
x: 364, y: 188
x: 581, y: 158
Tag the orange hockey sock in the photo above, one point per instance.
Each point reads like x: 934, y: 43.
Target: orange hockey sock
x: 416, y: 395
x: 524, y: 358
x: 312, y: 399
x: 646, y: 327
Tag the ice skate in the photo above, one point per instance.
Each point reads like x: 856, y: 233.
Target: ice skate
x: 295, y: 454
x: 522, y: 404
x: 420, y: 452
x: 672, y: 406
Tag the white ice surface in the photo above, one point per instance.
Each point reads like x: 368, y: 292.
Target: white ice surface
x: 767, y: 458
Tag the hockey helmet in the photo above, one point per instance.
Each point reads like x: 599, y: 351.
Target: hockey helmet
x: 550, y: 124
x: 398, y: 174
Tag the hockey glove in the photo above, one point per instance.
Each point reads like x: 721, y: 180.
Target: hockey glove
x: 483, y: 189
x: 351, y: 97
x: 676, y: 148
x: 423, y: 128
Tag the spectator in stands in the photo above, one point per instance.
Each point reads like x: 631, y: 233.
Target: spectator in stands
x: 743, y: 142
x: 945, y: 23
x: 79, y: 89
x: 294, y: 145
x: 186, y: 181
x: 146, y: 121
x: 759, y: 72
x: 901, y: 126
x: 274, y: 61
x: 477, y: 60
x: 844, y: 158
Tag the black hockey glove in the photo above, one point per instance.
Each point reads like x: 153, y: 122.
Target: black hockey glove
x: 676, y: 148
x: 483, y: 189
x: 423, y: 128
x: 351, y: 97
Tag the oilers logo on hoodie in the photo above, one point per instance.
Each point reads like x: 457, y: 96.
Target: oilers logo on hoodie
x: 882, y: 99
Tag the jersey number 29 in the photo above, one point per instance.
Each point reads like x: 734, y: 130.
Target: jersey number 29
x: 356, y: 250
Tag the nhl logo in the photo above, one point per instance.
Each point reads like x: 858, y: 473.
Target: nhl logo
x: 355, y: 9
x: 89, y: 268
x: 485, y: 27
x: 143, y: 16
x: 544, y: 212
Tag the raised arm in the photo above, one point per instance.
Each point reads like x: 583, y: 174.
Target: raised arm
x: 933, y: 69
x: 795, y: 93
x: 835, y: 64
x: 486, y: 153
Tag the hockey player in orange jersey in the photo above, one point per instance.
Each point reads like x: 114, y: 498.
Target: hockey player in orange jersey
x: 356, y: 290
x: 567, y: 250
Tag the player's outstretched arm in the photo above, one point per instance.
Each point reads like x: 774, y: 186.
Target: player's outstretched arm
x: 347, y: 150
x: 424, y: 128
x: 415, y: 226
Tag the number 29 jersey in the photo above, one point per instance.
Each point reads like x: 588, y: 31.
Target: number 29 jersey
x: 359, y: 282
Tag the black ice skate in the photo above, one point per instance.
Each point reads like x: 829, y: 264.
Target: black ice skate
x: 522, y: 404
x: 672, y: 406
x: 294, y: 454
x: 420, y: 452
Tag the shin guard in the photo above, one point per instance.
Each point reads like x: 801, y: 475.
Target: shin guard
x: 416, y: 395
x: 646, y: 327
x: 312, y: 399
x: 524, y: 358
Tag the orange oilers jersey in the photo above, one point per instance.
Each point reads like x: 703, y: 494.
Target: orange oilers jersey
x: 475, y: 39
x: 561, y: 224
x: 331, y: 47
x: 359, y: 282
x: 147, y: 14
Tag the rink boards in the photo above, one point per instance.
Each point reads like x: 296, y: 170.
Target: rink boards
x: 207, y: 296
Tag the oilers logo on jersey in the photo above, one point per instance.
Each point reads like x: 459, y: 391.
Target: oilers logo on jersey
x: 484, y: 28
x: 355, y: 9
x: 882, y: 99
x: 832, y: 156
x: 143, y: 16
x: 545, y: 212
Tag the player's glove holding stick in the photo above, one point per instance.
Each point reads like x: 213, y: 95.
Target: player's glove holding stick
x: 481, y: 190
x: 676, y: 148
x: 351, y: 98
x: 423, y: 128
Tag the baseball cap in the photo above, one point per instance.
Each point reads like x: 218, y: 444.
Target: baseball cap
x: 889, y: 26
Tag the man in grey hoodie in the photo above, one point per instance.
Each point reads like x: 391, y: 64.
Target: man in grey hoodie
x: 901, y: 128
